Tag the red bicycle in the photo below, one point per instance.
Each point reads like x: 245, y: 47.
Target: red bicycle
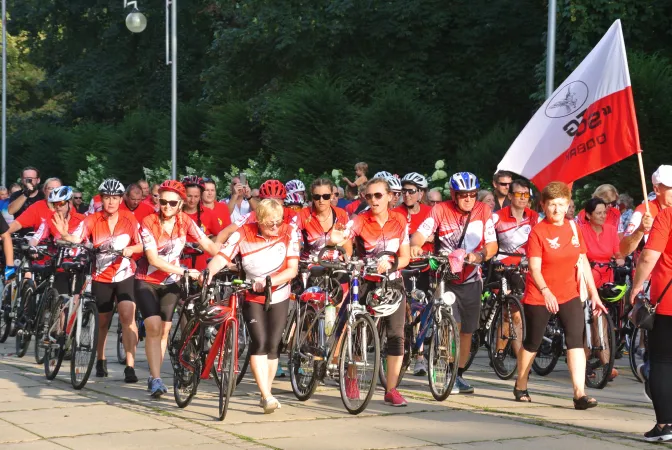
x: 205, y: 339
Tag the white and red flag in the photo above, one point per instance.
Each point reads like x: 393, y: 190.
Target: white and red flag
x: 587, y: 124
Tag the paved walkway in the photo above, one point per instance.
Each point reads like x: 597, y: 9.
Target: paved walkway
x: 38, y: 414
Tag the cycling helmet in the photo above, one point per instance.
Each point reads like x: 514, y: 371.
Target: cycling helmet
x: 416, y: 179
x: 60, y: 194
x: 193, y: 180
x: 395, y: 184
x: 111, y: 187
x: 272, y: 189
x: 293, y: 199
x: 383, y: 174
x: 214, y: 314
x: 384, y: 303
x: 174, y: 186
x: 293, y: 186
x: 464, y: 181
x: 610, y: 292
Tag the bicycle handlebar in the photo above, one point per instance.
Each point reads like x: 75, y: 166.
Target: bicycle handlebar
x: 268, y: 291
x: 331, y: 264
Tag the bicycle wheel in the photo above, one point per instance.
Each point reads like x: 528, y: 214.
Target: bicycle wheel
x: 549, y: 351
x: 84, y: 347
x: 303, y: 369
x: 358, y: 365
x: 637, y: 349
x: 5, y: 312
x: 41, y: 322
x: 55, y: 337
x: 243, y: 349
x: 227, y: 378
x: 444, y: 356
x: 600, y: 351
x: 23, y: 335
x: 475, y: 345
x: 507, y: 332
x: 408, y: 339
x: 185, y: 382
x: 121, y: 351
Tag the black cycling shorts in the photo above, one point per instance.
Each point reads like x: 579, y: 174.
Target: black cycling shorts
x: 106, y: 293
x: 265, y: 327
x: 157, y: 299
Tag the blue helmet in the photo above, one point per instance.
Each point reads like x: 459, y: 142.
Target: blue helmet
x: 60, y: 194
x: 464, y: 181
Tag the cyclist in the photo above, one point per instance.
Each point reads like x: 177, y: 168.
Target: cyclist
x: 395, y: 190
x: 156, y: 281
x: 111, y: 229
x: 501, y: 181
x: 59, y: 199
x: 132, y: 202
x: 466, y: 230
x: 601, y: 240
x: 373, y: 231
x: 153, y: 198
x: 294, y: 202
x: 268, y: 247
x: 434, y: 197
x: 203, y: 217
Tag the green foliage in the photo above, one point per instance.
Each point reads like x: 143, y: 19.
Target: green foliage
x: 257, y: 171
x: 89, y: 180
x: 232, y: 134
x: 482, y: 155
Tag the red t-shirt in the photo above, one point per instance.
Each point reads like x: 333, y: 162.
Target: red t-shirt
x: 221, y: 214
x: 142, y: 211
x: 659, y: 240
x: 149, y: 201
x: 559, y: 253
x: 311, y: 231
x: 47, y: 228
x: 34, y: 215
x: 613, y: 217
x: 601, y: 248
x: 415, y: 220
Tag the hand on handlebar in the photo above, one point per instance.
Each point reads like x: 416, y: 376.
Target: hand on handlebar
x: 620, y: 262
x: 259, y: 285
x: 127, y: 252
x: 383, y: 266
x: 193, y: 274
x: 416, y: 251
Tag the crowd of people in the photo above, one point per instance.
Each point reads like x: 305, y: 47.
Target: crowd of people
x: 162, y: 229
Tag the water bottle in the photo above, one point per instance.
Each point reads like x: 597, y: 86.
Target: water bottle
x: 329, y: 319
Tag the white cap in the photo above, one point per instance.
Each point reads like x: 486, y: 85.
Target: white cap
x: 662, y: 176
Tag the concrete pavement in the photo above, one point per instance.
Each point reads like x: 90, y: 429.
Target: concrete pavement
x: 38, y: 414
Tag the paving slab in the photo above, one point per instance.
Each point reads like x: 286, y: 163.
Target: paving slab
x: 41, y: 397
x: 12, y: 433
x: 560, y: 442
x: 37, y: 445
x: 171, y: 438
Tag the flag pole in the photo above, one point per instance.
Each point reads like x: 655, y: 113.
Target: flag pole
x: 641, y: 174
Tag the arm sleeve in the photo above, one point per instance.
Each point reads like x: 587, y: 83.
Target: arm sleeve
x: 660, y: 232
x: 82, y: 231
x: 42, y: 232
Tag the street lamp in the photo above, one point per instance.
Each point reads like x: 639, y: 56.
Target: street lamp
x: 136, y: 22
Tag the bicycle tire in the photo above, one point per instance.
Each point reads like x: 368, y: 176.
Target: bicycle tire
x: 513, y: 305
x: 18, y: 308
x: 382, y: 336
x: 23, y: 335
x: 185, y: 382
x: 53, y: 357
x: 5, y: 311
x: 446, y: 329
x: 602, y: 377
x: 304, y: 377
x: 475, y: 345
x: 361, y: 330
x: 227, y: 377
x: 634, y: 359
x: 41, y: 321
x: 548, y: 354
x: 243, y: 348
x: 88, y: 339
x: 121, y: 350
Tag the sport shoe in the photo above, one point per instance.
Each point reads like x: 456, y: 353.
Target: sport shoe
x: 101, y: 368
x: 129, y: 375
x: 394, y: 398
x: 420, y: 368
x: 149, y: 383
x: 462, y: 386
x: 657, y: 434
x: 279, y: 373
x: 158, y: 388
x: 351, y: 388
x: 498, y: 362
x: 270, y: 404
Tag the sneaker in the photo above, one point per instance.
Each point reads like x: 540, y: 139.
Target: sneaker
x: 149, y: 383
x: 351, y: 388
x: 101, y: 368
x: 420, y: 369
x: 657, y: 434
x: 129, y: 375
x: 279, y: 373
x: 270, y: 404
x: 462, y: 386
x: 394, y: 398
x: 158, y: 388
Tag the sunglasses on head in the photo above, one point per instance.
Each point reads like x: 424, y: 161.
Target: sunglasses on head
x: 410, y: 191
x: 521, y: 194
x: 463, y: 195
x: 274, y: 224
x: 377, y: 196
x: 316, y: 197
x: 172, y: 203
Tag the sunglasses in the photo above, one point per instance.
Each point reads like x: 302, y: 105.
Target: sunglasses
x: 377, y: 196
x: 274, y: 224
x: 316, y: 197
x: 76, y: 198
x: 63, y: 203
x: 503, y: 184
x: 409, y: 191
x: 463, y: 195
x: 155, y: 195
x: 433, y: 202
x: 521, y: 194
x: 172, y: 203
x: 336, y: 194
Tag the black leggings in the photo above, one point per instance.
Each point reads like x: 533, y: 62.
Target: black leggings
x: 570, y: 315
x: 265, y: 327
x: 660, y: 368
x: 394, y: 323
x: 157, y: 299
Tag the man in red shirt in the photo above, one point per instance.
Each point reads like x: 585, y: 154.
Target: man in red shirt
x: 219, y: 210
x: 133, y: 202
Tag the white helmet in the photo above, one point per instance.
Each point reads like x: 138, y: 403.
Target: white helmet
x: 395, y: 184
x: 416, y: 179
x: 60, y: 194
x: 111, y: 187
x: 384, y: 303
x: 382, y: 174
x: 293, y: 186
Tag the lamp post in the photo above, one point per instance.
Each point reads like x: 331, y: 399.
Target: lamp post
x: 550, y: 49
x: 137, y: 22
x: 4, y: 93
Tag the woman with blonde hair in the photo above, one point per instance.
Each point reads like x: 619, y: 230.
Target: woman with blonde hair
x: 608, y: 194
x: 485, y: 196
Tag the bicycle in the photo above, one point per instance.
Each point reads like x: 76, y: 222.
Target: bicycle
x: 430, y: 320
x: 73, y: 322
x: 140, y: 325
x: 353, y: 339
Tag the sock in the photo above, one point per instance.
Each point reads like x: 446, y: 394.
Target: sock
x: 460, y: 371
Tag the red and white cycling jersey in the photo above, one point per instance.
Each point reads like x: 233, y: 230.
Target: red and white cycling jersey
x: 110, y: 268
x: 262, y: 257
x: 511, y: 234
x: 168, y: 246
x: 449, y: 221
x: 47, y: 228
x: 313, y: 236
x: 96, y: 205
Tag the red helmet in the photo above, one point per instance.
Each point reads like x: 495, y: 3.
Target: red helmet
x: 193, y: 180
x: 273, y: 189
x: 174, y: 186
